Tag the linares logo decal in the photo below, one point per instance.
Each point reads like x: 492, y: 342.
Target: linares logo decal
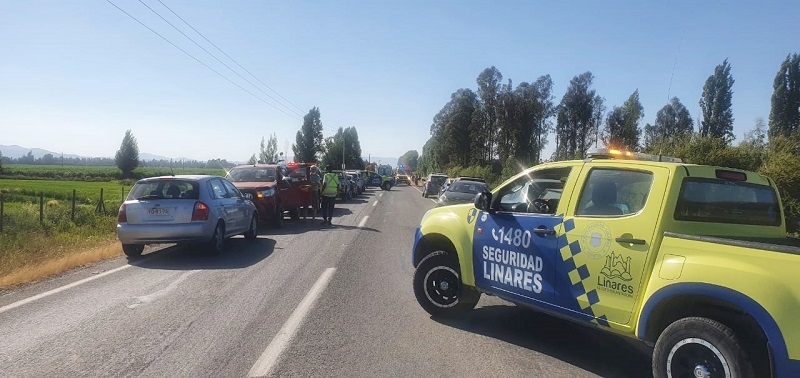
x: 617, y: 267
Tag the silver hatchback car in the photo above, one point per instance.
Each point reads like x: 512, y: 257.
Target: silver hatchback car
x: 184, y: 208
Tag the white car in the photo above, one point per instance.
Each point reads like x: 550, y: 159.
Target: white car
x: 184, y: 208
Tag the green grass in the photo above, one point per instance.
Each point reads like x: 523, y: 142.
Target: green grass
x: 86, y: 192
x: 94, y: 173
x: 25, y: 242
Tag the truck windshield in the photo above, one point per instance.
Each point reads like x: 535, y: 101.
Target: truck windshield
x: 717, y: 201
x: 252, y: 174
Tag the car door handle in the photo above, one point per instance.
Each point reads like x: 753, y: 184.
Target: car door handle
x: 631, y: 241
x: 543, y: 231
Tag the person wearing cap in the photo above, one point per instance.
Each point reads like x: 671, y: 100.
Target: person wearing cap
x: 330, y: 188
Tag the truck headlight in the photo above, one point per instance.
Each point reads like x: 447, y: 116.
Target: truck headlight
x: 266, y: 193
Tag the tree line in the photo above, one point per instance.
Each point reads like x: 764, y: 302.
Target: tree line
x: 310, y: 146
x: 500, y: 128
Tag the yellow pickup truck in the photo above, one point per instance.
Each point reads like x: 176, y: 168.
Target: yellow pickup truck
x: 692, y: 260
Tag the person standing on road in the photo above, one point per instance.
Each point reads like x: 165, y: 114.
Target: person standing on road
x: 316, y: 183
x: 330, y: 187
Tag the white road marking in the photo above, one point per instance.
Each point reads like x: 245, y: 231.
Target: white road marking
x: 363, y: 221
x: 375, y: 203
x: 172, y: 286
x: 60, y: 289
x: 270, y: 357
x: 380, y: 195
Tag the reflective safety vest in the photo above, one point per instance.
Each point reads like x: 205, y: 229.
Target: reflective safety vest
x: 332, y: 187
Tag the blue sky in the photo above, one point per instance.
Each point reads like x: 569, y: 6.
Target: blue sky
x: 76, y: 74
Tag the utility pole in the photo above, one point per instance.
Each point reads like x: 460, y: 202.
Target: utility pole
x: 343, y: 139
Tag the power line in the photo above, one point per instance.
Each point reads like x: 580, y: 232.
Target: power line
x: 229, y: 57
x: 675, y: 64
x: 217, y: 59
x: 199, y: 61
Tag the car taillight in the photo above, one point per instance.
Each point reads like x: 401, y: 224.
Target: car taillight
x: 200, y: 211
x: 122, y: 217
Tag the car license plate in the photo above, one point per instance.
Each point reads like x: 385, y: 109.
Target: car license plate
x: 159, y: 211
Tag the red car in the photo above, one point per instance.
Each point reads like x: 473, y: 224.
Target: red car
x: 276, y: 189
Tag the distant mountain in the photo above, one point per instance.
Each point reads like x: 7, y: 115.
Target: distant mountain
x: 144, y: 156
x: 15, y: 151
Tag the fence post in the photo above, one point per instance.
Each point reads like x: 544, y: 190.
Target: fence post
x: 101, y: 206
x: 72, y: 217
x: 1, y: 212
x: 122, y: 194
x: 41, y: 208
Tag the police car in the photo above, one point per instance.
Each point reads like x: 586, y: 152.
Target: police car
x: 691, y: 260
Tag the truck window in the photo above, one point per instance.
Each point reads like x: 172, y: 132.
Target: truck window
x: 545, y: 185
x: 614, y: 192
x: 719, y: 201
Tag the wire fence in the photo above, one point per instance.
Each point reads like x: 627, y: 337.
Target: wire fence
x: 47, y: 209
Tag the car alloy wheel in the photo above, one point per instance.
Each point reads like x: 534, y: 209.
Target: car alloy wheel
x: 700, y: 347
x: 438, y: 289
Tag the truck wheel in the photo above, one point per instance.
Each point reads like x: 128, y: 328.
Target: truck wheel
x: 437, y: 286
x: 217, y: 243
x: 699, y: 347
x: 252, y: 232
x: 277, y: 217
x: 133, y: 250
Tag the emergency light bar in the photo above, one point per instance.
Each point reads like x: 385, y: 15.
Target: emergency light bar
x: 611, y: 153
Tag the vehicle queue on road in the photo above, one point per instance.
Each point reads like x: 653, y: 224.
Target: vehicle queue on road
x: 207, y: 209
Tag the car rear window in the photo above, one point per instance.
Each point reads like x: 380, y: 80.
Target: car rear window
x: 721, y: 201
x: 468, y: 187
x: 164, y: 189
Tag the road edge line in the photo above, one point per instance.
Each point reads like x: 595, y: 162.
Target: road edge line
x: 59, y: 289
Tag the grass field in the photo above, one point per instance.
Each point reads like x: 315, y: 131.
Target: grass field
x: 86, y: 192
x: 30, y: 248
x: 95, y: 173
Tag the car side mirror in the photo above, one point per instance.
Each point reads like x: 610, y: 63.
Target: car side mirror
x: 483, y: 201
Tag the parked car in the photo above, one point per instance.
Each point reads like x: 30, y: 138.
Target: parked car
x: 356, y: 177
x: 275, y: 189
x: 346, y: 187
x: 461, y: 191
x: 433, y: 184
x: 184, y: 208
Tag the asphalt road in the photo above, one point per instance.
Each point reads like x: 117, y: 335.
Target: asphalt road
x: 304, y: 300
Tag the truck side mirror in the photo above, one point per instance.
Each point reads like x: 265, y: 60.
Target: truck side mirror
x: 483, y: 201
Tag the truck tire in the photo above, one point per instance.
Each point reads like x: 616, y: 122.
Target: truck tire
x: 133, y: 250
x: 700, y: 347
x: 438, y: 288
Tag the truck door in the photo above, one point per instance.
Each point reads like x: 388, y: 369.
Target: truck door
x: 515, y: 246
x: 284, y: 188
x: 609, y: 229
